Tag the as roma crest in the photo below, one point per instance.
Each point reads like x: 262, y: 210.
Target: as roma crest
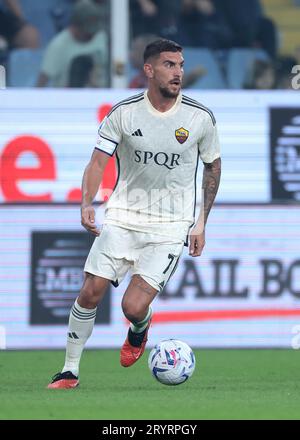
x: 181, y: 135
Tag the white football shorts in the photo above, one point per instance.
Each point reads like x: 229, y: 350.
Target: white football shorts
x: 118, y: 250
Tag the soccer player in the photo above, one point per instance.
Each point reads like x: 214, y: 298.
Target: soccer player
x: 158, y: 137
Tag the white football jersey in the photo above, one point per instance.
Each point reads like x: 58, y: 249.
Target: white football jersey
x: 157, y: 155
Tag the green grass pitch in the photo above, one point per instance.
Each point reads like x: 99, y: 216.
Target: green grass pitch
x: 227, y: 384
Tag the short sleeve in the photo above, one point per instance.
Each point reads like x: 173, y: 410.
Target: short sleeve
x: 209, y: 145
x: 109, y: 133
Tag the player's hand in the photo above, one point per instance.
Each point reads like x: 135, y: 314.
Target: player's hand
x: 88, y: 220
x: 197, y: 241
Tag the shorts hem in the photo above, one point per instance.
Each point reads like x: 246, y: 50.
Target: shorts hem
x: 100, y: 274
x: 148, y: 280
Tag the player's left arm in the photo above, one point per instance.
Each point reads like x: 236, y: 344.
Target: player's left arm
x: 209, y: 149
x: 210, y: 186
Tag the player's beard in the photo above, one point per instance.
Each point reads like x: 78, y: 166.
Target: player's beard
x: 167, y: 93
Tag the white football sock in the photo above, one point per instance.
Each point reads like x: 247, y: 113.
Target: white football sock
x: 138, y: 327
x: 81, y: 323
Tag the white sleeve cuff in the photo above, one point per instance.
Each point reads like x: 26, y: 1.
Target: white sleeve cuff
x: 210, y: 159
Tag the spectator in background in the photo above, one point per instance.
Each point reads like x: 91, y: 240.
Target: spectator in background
x: 215, y: 24
x: 83, y: 72
x: 139, y: 81
x: 84, y: 36
x: 269, y: 75
x: 158, y: 17
x: 14, y: 30
x: 261, y: 76
x: 249, y: 26
x: 202, y: 25
x: 137, y: 48
x: 60, y: 13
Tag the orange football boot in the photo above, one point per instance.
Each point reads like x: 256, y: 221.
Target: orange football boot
x: 131, y: 353
x: 64, y: 381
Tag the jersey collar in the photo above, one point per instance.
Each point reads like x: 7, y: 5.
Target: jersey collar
x: 169, y: 112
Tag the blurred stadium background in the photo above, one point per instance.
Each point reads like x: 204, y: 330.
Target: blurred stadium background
x: 67, y: 63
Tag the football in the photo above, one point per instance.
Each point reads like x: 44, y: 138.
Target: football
x: 172, y: 362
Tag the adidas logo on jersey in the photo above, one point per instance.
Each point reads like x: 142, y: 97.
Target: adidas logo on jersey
x: 137, y: 133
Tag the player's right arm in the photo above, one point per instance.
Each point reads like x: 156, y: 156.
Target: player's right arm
x: 91, y: 180
x: 109, y: 136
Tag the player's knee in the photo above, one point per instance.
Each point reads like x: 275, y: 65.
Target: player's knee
x: 134, y: 312
x: 88, y: 297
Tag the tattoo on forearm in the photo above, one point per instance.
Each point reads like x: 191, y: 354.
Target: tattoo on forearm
x: 210, y: 185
